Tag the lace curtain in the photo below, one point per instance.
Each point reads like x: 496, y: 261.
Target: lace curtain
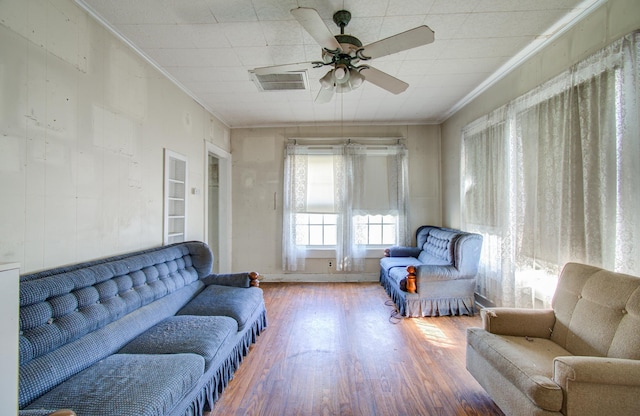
x: 554, y: 177
x: 354, y: 193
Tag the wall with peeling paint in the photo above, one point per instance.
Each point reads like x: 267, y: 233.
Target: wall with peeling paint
x: 84, y: 122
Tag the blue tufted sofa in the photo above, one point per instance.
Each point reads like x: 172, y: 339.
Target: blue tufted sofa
x: 146, y: 333
x: 442, y: 266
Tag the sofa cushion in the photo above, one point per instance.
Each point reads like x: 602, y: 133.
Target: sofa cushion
x: 397, y: 274
x: 235, y: 302
x: 438, y: 249
x: 75, y: 356
x: 127, y: 385
x: 525, y: 362
x: 202, y: 335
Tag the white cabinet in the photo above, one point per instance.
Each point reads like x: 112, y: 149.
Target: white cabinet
x: 175, y: 197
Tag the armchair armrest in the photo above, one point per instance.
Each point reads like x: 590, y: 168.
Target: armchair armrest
x: 245, y: 279
x: 521, y: 322
x: 603, y: 370
x: 402, y: 251
x: 598, y: 385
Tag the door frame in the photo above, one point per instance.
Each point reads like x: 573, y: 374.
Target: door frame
x: 224, y: 204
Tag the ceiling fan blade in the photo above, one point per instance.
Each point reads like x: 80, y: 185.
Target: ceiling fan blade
x: 279, y: 69
x: 383, y: 80
x: 313, y: 23
x: 325, y: 95
x: 413, y: 38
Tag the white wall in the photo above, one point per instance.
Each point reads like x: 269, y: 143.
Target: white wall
x: 611, y: 21
x: 258, y: 159
x: 83, y: 124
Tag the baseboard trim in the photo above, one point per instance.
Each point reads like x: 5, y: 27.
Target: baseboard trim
x: 321, y: 277
x: 483, y: 302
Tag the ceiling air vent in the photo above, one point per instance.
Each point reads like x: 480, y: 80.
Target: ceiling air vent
x: 287, y: 81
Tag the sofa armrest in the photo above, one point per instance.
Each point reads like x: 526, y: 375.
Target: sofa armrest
x: 402, y: 251
x: 46, y: 412
x: 521, y: 322
x: 245, y: 279
x: 430, y: 273
x: 598, y: 385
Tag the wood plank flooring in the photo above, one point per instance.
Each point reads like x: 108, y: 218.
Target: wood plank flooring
x: 330, y: 349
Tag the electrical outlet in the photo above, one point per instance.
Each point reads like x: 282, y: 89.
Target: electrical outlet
x: 331, y: 267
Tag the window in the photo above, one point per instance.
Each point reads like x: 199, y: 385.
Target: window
x: 345, y: 198
x: 552, y: 177
x: 316, y: 230
x: 376, y: 230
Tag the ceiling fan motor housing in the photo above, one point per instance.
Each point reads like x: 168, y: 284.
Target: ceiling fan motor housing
x: 349, y: 46
x: 342, y: 18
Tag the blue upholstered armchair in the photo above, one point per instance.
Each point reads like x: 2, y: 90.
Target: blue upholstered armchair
x: 437, y: 276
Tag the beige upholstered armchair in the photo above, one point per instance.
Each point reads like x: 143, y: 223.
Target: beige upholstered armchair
x: 580, y: 358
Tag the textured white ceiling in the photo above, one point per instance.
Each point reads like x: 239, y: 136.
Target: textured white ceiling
x: 208, y: 47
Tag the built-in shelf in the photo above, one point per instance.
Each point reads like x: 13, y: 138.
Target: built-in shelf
x: 175, y: 197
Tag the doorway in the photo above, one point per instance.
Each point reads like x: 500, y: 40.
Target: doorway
x: 218, y: 207
x: 213, y: 231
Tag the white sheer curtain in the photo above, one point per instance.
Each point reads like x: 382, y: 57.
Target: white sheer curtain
x: 376, y: 182
x: 294, y: 201
x: 298, y: 199
x: 487, y: 193
x: 367, y: 180
x: 554, y: 177
x: 398, y: 188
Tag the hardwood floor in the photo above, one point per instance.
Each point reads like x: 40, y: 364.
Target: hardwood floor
x: 330, y: 349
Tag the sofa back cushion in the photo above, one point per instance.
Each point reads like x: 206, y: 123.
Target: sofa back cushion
x: 597, y: 312
x: 73, y: 316
x: 438, y: 249
x: 60, y: 305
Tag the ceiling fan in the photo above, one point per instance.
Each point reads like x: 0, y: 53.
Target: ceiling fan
x: 342, y: 52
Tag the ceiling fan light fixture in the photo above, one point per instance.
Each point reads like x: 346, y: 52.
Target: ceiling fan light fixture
x: 355, y: 77
x: 342, y: 88
x: 341, y: 74
x: 326, y: 81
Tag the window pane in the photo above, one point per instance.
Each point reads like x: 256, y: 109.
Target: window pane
x: 315, y: 235
x: 315, y: 219
x: 302, y: 219
x: 375, y: 234
x: 330, y: 235
x: 330, y: 219
x: 389, y: 234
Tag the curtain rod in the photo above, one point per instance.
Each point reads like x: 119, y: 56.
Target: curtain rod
x: 354, y: 140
